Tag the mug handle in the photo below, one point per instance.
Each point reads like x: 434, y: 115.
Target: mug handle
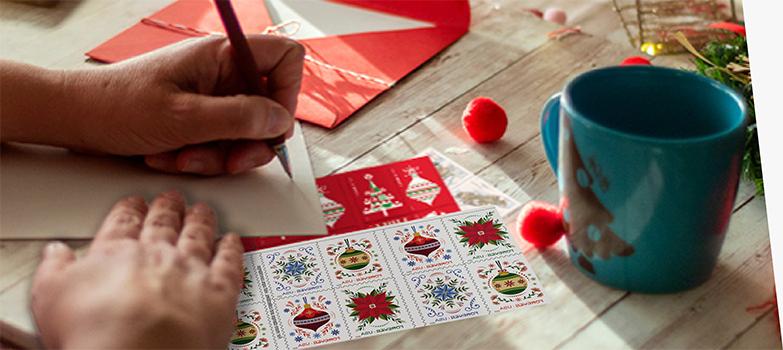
x: 550, y: 129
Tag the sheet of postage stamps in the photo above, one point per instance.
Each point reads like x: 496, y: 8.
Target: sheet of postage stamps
x: 380, y: 280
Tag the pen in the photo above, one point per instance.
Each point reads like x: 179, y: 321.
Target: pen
x: 249, y: 71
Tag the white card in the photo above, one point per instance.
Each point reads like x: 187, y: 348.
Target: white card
x: 52, y: 193
x: 318, y: 18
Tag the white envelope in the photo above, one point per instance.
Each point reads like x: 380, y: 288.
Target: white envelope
x: 52, y: 193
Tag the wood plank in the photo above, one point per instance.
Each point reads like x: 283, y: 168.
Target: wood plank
x: 58, y: 37
x: 764, y: 334
x: 709, y: 316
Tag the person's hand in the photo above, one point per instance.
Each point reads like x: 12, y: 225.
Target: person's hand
x: 179, y: 105
x: 152, y: 278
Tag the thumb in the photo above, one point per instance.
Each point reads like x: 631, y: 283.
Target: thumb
x: 212, y: 118
x: 56, y: 257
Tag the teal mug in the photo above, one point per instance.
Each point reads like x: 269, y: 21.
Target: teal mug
x: 648, y: 162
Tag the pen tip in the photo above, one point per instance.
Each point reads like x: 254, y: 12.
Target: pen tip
x: 282, y: 154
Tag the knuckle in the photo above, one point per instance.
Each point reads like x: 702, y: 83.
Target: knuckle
x: 164, y: 220
x: 125, y: 219
x: 221, y: 284
x: 202, y: 221
x: 165, y: 234
x: 198, y: 248
x: 198, y: 231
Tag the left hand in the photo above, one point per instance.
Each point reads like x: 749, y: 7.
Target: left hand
x: 152, y: 278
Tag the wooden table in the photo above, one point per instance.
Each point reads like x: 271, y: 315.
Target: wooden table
x: 508, y: 57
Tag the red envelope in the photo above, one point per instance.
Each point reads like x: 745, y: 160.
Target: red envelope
x: 342, y: 73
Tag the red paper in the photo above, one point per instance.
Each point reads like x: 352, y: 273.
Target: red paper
x: 351, y: 204
x: 328, y: 96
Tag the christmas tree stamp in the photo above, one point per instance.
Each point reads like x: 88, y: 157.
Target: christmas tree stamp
x: 446, y: 295
x: 294, y: 270
x: 480, y: 236
x: 250, y: 330
x: 421, y: 246
x: 379, y: 195
x: 312, y: 320
x: 507, y: 283
x: 375, y: 308
x: 355, y: 259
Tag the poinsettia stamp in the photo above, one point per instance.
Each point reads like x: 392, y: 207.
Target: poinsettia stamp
x: 421, y: 246
x: 375, y: 308
x: 294, y: 270
x: 250, y: 330
x: 312, y: 320
x: 354, y: 259
x: 446, y: 295
x: 481, y: 236
x: 508, y: 284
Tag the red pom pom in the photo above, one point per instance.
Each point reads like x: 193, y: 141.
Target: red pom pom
x: 484, y: 120
x: 540, y: 223
x: 635, y: 61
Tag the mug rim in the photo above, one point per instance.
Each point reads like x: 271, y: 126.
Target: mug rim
x: 567, y: 104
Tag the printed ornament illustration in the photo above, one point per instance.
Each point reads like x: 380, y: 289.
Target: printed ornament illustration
x: 332, y: 210
x: 447, y: 292
x: 309, y: 318
x: 508, y: 282
x: 486, y: 233
x: 420, y: 245
x: 375, y: 308
x: 378, y: 199
x: 248, y: 332
x: 294, y: 268
x: 421, y: 189
x: 353, y: 258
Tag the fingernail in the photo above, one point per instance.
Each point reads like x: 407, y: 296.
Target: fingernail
x: 54, y: 248
x: 194, y: 165
x: 156, y: 161
x: 201, y: 208
x: 278, y: 121
x: 173, y: 195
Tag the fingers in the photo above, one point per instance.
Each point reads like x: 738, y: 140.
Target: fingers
x: 248, y: 155
x: 280, y: 60
x: 124, y: 221
x: 164, y: 220
x: 204, y: 118
x: 56, y: 257
x: 165, y: 162
x: 205, y: 159
x: 213, y: 158
x: 226, y: 267
x: 198, y: 233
